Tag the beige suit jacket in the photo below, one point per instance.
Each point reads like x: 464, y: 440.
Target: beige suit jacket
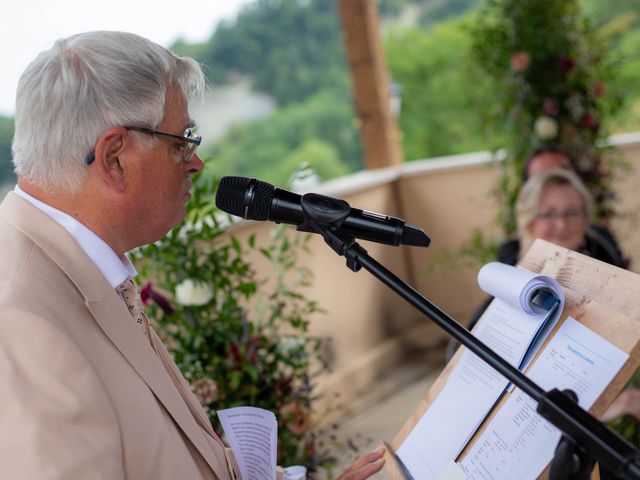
x: 83, y: 395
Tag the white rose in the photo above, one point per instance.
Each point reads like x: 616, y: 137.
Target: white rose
x: 191, y: 292
x: 545, y: 127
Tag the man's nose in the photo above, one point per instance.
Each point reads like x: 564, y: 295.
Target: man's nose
x: 194, y: 165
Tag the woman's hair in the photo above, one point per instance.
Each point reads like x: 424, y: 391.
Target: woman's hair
x: 528, y: 202
x: 85, y: 84
x: 541, y: 150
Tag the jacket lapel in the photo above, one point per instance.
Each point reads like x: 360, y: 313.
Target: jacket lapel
x: 114, y: 319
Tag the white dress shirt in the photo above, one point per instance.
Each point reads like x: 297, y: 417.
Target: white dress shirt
x: 115, y: 269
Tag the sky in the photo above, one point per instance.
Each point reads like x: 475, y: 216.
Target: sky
x: 28, y: 28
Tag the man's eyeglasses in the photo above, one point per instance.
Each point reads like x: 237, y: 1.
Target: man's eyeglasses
x: 189, y: 142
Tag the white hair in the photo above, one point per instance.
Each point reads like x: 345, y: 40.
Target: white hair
x: 85, y: 84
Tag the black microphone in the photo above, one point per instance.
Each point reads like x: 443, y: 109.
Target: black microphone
x: 254, y: 199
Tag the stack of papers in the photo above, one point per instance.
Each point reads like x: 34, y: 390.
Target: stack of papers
x: 525, y: 309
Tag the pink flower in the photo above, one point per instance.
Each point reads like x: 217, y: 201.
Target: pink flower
x: 551, y: 106
x: 147, y: 293
x: 598, y: 88
x: 520, y: 61
x: 566, y: 64
x: 234, y: 353
x: 591, y: 122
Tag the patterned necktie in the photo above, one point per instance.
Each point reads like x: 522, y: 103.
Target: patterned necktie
x: 131, y: 296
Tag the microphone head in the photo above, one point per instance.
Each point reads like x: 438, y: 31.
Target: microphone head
x: 414, y: 236
x: 248, y: 198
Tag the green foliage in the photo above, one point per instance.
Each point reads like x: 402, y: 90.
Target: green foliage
x: 6, y: 167
x: 390, y: 8
x: 199, y: 51
x: 238, y: 339
x: 478, y: 250
x: 437, y: 11
x: 446, y: 98
x: 291, y: 49
x: 626, y: 80
x: 627, y: 425
x: 607, y: 11
x: 321, y: 157
x: 271, y: 148
x: 553, y: 75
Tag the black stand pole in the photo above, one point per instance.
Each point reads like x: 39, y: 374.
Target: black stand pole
x: 585, y: 439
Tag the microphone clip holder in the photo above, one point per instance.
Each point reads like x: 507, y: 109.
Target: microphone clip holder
x: 325, y: 217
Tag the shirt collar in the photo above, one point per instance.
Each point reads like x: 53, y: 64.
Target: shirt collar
x: 115, y: 269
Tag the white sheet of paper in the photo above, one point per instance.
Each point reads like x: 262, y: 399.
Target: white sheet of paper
x: 506, y: 331
x: 452, y: 417
x: 253, y: 437
x: 518, y: 443
x: 471, y: 390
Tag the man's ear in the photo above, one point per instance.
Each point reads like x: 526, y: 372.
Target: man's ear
x: 108, y: 158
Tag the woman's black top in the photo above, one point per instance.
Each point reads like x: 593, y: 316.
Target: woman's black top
x: 598, y: 243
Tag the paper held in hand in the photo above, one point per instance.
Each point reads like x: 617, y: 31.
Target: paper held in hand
x: 253, y: 437
x: 525, y: 309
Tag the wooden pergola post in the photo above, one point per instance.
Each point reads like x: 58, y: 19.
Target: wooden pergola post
x: 371, y: 86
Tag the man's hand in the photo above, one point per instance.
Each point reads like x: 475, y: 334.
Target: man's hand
x: 364, y: 467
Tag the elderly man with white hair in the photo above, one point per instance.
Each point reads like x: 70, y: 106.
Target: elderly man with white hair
x: 104, y: 149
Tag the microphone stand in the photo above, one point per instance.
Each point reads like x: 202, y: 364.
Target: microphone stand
x: 585, y: 440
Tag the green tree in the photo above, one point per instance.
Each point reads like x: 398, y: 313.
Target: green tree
x: 626, y: 81
x: 392, y: 7
x: 437, y: 11
x: 259, y: 148
x: 607, y: 11
x: 318, y: 156
x: 446, y: 99
x: 290, y: 49
x: 6, y: 135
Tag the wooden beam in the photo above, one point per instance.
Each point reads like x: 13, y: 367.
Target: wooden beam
x: 378, y: 127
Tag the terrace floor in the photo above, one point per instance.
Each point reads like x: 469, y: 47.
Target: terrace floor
x: 381, y: 412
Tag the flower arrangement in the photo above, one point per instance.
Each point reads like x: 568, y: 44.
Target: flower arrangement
x: 239, y: 340
x: 551, y: 69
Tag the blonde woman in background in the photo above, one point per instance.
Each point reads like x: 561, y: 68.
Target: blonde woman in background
x: 554, y: 205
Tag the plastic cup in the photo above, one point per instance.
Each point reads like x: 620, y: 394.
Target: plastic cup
x: 295, y: 472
